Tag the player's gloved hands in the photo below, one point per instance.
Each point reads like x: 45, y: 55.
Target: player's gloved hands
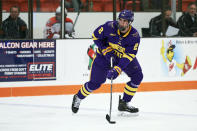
x: 114, y: 73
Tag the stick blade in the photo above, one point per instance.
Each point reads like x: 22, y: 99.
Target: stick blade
x: 109, y: 119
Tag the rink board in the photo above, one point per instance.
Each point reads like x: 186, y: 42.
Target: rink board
x: 72, y: 69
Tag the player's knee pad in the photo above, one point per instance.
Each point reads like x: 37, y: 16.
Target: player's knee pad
x: 92, y: 85
x: 137, y: 78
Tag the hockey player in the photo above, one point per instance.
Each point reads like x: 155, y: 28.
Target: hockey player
x: 117, y: 39
x: 52, y: 29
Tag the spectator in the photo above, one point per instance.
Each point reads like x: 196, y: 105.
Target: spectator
x: 53, y: 25
x: 188, y: 21
x: 14, y: 27
x: 155, y: 24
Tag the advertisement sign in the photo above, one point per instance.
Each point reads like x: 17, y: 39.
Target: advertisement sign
x: 178, y: 57
x: 27, y: 60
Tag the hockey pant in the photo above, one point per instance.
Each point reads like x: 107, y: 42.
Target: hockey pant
x: 98, y: 75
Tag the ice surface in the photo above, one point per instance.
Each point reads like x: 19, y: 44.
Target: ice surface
x: 159, y: 111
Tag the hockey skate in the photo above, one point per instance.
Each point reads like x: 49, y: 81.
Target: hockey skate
x: 75, y: 104
x: 125, y: 109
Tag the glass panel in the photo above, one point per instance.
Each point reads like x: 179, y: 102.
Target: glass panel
x: 86, y: 15
x: 187, y: 19
x: 43, y: 17
x: 47, y: 20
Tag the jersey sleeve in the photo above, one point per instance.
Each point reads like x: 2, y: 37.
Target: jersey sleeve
x: 129, y: 54
x: 99, y: 37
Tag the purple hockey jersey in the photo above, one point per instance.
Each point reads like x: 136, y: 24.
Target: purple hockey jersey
x: 125, y: 46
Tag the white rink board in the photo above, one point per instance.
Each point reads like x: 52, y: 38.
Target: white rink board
x: 148, y: 55
x: 72, y: 62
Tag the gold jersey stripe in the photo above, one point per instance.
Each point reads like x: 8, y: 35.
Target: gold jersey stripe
x: 127, y: 56
x: 118, y: 31
x: 98, y: 51
x: 105, y: 51
x: 94, y: 37
x: 118, y: 69
x: 132, y: 55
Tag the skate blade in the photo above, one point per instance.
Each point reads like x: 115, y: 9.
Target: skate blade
x: 127, y: 114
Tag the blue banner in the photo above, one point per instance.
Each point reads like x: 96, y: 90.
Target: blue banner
x: 27, y: 60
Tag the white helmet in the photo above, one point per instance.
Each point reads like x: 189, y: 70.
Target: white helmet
x: 58, y: 10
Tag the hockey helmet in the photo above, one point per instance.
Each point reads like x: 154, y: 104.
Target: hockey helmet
x: 58, y: 10
x: 127, y: 15
x: 58, y: 13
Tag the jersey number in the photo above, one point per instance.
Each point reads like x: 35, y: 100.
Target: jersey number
x: 136, y: 46
x: 100, y: 30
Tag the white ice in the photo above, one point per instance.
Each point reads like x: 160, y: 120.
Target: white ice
x: 159, y: 111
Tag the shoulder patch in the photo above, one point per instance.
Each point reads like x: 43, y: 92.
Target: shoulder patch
x: 135, y: 34
x: 111, y: 24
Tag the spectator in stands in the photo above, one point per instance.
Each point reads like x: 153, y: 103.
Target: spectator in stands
x: 14, y: 27
x: 188, y: 21
x: 76, y: 4
x: 155, y: 24
x: 53, y: 25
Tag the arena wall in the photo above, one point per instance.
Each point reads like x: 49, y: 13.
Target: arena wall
x: 72, y: 69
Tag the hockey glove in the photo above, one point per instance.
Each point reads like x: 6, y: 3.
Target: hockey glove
x: 108, y: 53
x: 114, y: 73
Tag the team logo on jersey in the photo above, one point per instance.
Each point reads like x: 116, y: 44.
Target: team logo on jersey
x: 111, y: 24
x: 135, y: 34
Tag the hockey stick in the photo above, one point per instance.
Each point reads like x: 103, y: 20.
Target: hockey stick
x: 108, y: 116
x: 78, y: 13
